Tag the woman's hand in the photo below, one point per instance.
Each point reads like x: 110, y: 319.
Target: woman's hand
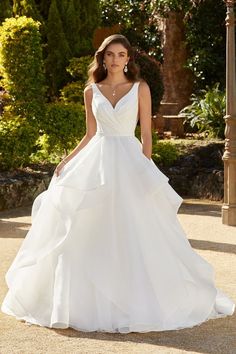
x: 59, y: 167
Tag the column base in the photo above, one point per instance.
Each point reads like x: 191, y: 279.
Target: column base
x: 229, y: 214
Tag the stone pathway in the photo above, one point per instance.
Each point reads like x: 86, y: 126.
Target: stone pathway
x: 212, y: 240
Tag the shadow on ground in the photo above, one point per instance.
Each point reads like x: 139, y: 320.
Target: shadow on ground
x: 213, y: 336
x: 213, y: 246
x: 10, y: 229
x: 198, y: 208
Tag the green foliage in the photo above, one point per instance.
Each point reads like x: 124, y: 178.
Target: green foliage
x: 71, y: 26
x: 17, y: 141
x: 73, y: 93
x: 26, y: 8
x: 22, y: 68
x: 23, y: 79
x: 205, y: 31
x: 89, y: 14
x: 205, y: 36
x: 207, y: 111
x: 137, y: 22
x: 5, y: 10
x: 44, y: 152
x: 150, y: 72
x: 78, y: 69
x: 58, y: 51
x: 43, y: 7
x: 64, y: 125
x: 164, y: 153
x: 165, y: 6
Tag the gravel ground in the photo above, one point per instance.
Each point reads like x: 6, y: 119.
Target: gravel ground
x: 215, y: 242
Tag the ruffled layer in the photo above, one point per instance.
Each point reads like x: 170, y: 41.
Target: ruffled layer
x: 106, y: 251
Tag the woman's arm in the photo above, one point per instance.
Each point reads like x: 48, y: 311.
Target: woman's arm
x: 145, y: 117
x: 91, y: 128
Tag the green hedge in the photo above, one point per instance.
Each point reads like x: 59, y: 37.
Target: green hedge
x: 164, y: 153
x: 64, y: 125
x: 22, y: 67
x: 23, y: 79
x: 78, y: 69
x: 17, y: 141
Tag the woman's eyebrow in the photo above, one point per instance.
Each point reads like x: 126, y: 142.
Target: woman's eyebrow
x: 109, y: 51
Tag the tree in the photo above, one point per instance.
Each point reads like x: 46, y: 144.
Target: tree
x: 58, y: 51
x: 5, y: 10
x: 88, y: 15
x: 43, y: 7
x: 26, y: 8
x: 79, y: 17
x: 138, y: 22
x: 205, y: 37
x: 72, y: 27
x: 204, y: 22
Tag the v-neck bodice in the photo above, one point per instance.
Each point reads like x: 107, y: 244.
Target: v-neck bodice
x: 121, y: 98
x: 119, y: 120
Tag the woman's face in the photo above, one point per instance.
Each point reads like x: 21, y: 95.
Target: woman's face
x: 115, y: 57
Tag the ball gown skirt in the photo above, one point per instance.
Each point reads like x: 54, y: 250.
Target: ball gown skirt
x: 105, y: 251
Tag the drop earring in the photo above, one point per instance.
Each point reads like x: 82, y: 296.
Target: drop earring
x: 125, y: 68
x: 104, y: 66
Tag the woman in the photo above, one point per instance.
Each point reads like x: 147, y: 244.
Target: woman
x: 105, y: 251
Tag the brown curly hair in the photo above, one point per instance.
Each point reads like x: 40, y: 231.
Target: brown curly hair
x: 97, y: 72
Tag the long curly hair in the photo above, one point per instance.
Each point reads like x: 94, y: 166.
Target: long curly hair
x: 97, y: 73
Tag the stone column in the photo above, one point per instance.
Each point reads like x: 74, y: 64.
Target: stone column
x: 229, y: 157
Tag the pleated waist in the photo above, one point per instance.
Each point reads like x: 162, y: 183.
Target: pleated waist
x: 115, y: 134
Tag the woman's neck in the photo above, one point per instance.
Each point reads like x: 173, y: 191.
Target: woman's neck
x: 116, y: 78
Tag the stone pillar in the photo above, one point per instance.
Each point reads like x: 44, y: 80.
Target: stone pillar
x: 229, y: 157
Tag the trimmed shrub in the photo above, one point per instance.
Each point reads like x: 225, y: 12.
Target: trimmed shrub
x: 74, y: 91
x: 22, y: 67
x: 17, y: 141
x: 23, y: 79
x: 164, y: 153
x: 78, y: 68
x: 65, y: 125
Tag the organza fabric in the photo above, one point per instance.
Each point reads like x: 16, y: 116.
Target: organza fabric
x: 105, y: 251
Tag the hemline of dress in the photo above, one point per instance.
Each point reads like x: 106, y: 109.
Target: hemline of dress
x: 130, y: 328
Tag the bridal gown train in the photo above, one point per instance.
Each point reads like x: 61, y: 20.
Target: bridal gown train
x: 105, y: 251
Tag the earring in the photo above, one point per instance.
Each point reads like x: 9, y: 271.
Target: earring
x: 126, y: 68
x: 104, y: 66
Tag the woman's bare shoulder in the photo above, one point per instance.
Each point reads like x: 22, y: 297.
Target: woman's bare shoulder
x: 144, y: 87
x: 88, y: 91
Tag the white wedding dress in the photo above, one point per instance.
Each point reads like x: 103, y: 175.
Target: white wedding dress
x: 105, y: 251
